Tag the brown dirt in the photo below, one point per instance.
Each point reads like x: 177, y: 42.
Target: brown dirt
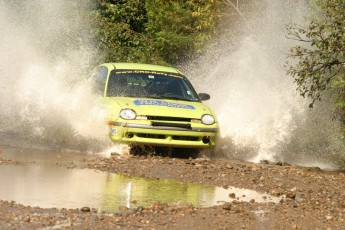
x: 311, y: 198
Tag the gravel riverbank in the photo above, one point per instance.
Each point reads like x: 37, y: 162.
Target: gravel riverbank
x: 309, y: 198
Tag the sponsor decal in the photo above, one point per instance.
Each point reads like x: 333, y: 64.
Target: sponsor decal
x: 162, y: 103
x: 152, y: 73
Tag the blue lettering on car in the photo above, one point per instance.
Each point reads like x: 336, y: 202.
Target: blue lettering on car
x: 162, y: 103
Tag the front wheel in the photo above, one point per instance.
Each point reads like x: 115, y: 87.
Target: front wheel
x: 144, y: 150
x: 185, y: 153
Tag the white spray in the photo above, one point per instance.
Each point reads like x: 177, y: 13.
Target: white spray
x: 257, y: 104
x: 45, y: 97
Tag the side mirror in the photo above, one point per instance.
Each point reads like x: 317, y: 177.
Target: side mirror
x: 204, y: 96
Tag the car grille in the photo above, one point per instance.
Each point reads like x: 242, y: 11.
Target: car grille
x: 160, y: 136
x: 167, y: 124
x: 162, y: 118
x: 185, y: 138
x: 181, y: 123
x: 155, y: 136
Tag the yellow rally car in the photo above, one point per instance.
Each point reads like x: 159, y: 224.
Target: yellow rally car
x: 155, y: 106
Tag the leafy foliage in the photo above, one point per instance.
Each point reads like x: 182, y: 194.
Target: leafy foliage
x: 179, y: 28
x: 118, y: 28
x: 321, y: 59
x: 153, y: 31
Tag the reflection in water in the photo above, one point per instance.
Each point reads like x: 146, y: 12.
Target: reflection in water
x: 133, y: 191
x: 46, y: 184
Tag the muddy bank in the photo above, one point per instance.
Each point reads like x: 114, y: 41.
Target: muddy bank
x: 309, y: 198
x: 266, y: 177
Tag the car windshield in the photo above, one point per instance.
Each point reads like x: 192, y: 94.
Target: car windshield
x: 150, y: 84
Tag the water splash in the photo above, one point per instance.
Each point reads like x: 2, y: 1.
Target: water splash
x: 45, y: 97
x: 259, y: 110
x: 120, y: 150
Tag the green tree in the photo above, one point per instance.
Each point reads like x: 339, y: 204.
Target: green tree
x: 319, y: 61
x: 119, y: 31
x: 153, y: 31
x: 179, y: 28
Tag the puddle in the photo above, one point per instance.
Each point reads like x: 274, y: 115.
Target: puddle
x: 47, y: 185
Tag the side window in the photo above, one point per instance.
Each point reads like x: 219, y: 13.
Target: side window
x: 99, y: 76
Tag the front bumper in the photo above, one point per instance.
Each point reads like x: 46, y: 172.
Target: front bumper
x: 136, y: 133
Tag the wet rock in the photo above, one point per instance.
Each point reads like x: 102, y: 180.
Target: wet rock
x: 27, y: 219
x: 94, y: 210
x: 275, y: 192
x: 313, y: 169
x: 300, y: 197
x: 282, y: 164
x: 290, y: 195
x: 227, y: 206
x: 85, y: 209
x: 295, y: 205
x: 329, y: 217
x: 232, y: 195
x: 255, y: 169
x: 294, y: 226
x: 123, y: 208
x: 139, y: 209
x: 229, y: 166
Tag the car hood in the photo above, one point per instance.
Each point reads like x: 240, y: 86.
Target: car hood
x: 158, y: 107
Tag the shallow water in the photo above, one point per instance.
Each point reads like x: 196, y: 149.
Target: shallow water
x: 47, y: 182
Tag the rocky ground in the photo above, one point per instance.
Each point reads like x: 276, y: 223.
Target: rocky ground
x: 309, y: 198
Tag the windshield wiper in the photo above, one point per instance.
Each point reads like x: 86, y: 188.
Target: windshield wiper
x: 169, y: 97
x: 176, y: 98
x: 155, y: 97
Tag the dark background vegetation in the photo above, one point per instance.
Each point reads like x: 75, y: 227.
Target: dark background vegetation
x: 153, y: 31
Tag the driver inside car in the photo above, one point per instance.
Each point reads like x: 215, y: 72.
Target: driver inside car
x: 159, y: 88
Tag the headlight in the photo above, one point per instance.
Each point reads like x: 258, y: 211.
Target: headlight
x: 207, y: 119
x: 128, y: 114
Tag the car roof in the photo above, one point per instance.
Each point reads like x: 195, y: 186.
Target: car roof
x: 139, y: 66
